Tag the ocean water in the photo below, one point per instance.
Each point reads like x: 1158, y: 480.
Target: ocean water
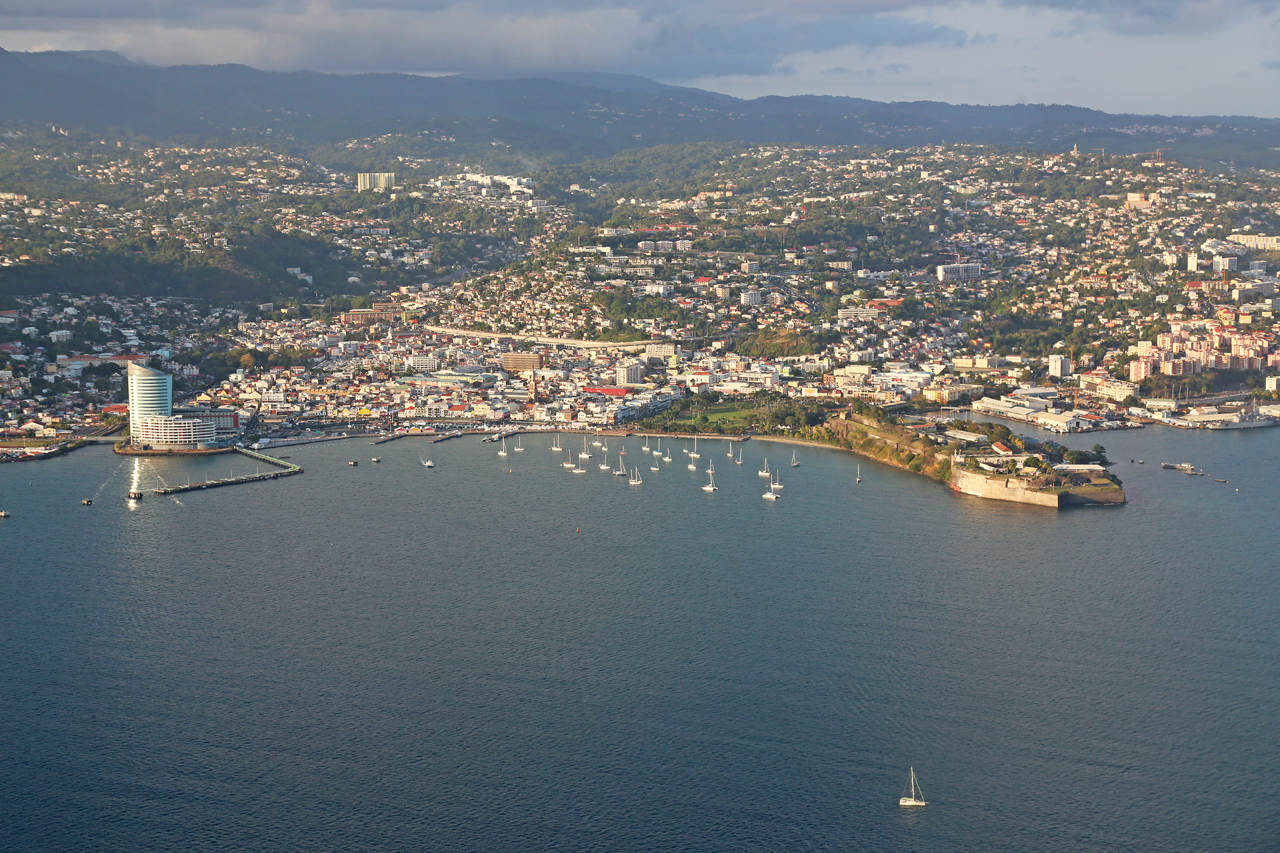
x: 496, y: 654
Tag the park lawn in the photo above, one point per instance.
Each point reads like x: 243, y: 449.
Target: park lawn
x: 724, y: 414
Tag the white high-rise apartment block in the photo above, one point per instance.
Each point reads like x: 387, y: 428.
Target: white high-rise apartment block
x: 629, y: 374
x: 150, y: 393
x: 1059, y: 366
x: 375, y: 181
x: 959, y: 272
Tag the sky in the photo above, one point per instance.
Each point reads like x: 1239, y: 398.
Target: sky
x: 1171, y: 57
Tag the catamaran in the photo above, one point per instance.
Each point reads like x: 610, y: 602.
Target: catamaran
x: 764, y: 472
x: 711, y: 484
x: 913, y: 796
x: 770, y: 495
x: 794, y: 463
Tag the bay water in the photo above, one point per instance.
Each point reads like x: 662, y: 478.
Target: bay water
x: 496, y: 654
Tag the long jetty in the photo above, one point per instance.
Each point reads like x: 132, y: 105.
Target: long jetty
x: 288, y: 469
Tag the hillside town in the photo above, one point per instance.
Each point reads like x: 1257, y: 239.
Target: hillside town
x: 1073, y: 292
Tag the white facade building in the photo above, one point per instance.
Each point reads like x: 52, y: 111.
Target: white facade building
x: 959, y: 272
x: 150, y: 393
x: 160, y: 432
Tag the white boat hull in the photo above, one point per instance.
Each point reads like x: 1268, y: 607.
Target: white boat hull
x: 908, y: 802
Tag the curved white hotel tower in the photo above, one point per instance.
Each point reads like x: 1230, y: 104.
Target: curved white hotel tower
x: 150, y: 393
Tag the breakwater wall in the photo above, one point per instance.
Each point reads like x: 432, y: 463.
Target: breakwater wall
x: 287, y: 469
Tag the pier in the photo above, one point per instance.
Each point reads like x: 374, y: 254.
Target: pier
x: 288, y: 469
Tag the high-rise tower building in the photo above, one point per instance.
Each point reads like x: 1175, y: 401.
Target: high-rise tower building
x: 150, y: 393
x: 375, y: 181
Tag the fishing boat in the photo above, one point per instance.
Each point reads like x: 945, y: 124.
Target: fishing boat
x: 695, y: 454
x: 353, y: 463
x: 764, y: 472
x: 503, y: 451
x: 913, y: 795
x: 377, y: 459
x: 794, y: 463
x: 135, y: 495
x: 711, y: 484
x: 4, y: 513
x: 87, y: 501
x: 635, y: 478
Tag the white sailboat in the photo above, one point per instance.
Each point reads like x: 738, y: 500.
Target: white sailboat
x: 635, y: 478
x: 646, y: 444
x: 776, y: 485
x: 503, y: 451
x: 711, y: 484
x: 604, y: 448
x: 738, y: 461
x: 711, y: 467
x: 519, y: 445
x: 657, y: 452
x: 695, y: 454
x: 604, y: 466
x: 585, y: 454
x: 692, y: 466
x: 794, y: 463
x: 654, y: 466
x: 621, y: 469
x: 579, y: 469
x: 764, y: 472
x: 555, y: 445
x: 859, y: 478
x: 913, y: 796
x: 730, y: 453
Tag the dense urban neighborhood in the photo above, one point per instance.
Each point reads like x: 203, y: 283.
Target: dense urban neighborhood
x: 1073, y: 291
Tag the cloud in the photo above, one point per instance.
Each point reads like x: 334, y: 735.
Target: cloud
x: 1095, y: 52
